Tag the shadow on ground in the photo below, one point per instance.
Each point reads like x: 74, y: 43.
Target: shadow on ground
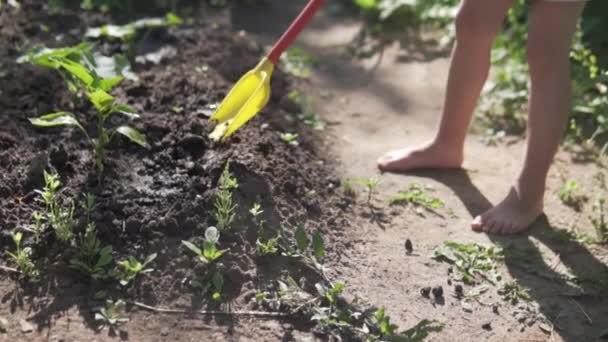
x: 575, y: 302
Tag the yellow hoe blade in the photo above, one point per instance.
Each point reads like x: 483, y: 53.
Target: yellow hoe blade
x: 248, y: 97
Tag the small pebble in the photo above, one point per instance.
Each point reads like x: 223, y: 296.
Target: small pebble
x: 487, y: 326
x: 26, y: 327
x: 495, y: 309
x: 3, y: 325
x: 425, y: 291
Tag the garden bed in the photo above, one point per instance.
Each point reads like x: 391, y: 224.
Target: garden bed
x: 151, y: 199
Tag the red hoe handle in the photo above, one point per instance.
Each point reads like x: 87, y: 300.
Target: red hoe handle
x: 294, y: 30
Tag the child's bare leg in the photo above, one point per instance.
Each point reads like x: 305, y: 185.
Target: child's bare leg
x: 551, y: 28
x: 477, y: 25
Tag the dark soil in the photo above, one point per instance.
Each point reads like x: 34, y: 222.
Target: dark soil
x: 151, y: 199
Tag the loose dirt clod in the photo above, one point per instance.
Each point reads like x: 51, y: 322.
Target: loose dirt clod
x: 438, y: 292
x: 487, y: 326
x: 409, y: 248
x: 459, y: 291
x: 425, y: 292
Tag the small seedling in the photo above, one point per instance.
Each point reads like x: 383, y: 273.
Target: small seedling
x: 513, y: 293
x: 270, y: 247
x: 370, y: 184
x: 112, y: 314
x: 213, y: 285
x: 39, y: 226
x: 209, y: 253
x: 22, y: 257
x: 570, y: 195
x: 60, y: 218
x: 471, y: 260
x: 224, y: 208
x: 306, y: 108
x: 298, y: 62
x: 131, y: 268
x: 127, y: 32
x: 599, y: 221
x: 289, y: 138
x: 92, y: 259
x: 88, y: 205
x: 416, y: 195
x: 387, y: 329
x: 330, y: 293
x: 348, y: 188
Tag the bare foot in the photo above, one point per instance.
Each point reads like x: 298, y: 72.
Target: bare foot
x: 514, y: 214
x: 428, y: 156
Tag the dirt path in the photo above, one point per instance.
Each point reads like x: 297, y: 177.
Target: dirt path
x: 372, y: 108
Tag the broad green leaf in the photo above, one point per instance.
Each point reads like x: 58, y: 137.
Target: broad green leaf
x: 101, y: 100
x: 192, y: 247
x: 318, y: 245
x: 150, y: 258
x: 302, y: 240
x: 125, y: 110
x: 134, y: 135
x: 56, y: 120
x: 107, y: 84
x: 173, y: 19
x: 77, y: 70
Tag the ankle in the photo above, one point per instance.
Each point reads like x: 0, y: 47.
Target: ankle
x: 448, y: 148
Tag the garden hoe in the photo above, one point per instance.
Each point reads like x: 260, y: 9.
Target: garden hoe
x: 252, y: 92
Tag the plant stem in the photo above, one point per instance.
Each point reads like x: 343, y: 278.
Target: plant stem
x: 211, y: 312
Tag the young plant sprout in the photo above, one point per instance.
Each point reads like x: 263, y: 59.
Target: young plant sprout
x: 209, y: 253
x: 599, y: 222
x: 58, y: 217
x: 224, y: 207
x: 92, y: 259
x: 213, y: 284
x: 77, y: 63
x: 416, y: 195
x: 387, y: 329
x: 22, y: 257
x: 88, y: 205
x: 106, y: 106
x: 129, y: 269
x: 289, y: 138
x: 513, y: 293
x: 112, y: 314
x: 570, y: 195
x: 39, y: 226
x: 369, y: 183
x: 271, y: 246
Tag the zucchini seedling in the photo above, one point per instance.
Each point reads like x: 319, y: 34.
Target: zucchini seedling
x: 22, y: 257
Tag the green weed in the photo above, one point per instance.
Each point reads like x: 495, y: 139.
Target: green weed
x: 416, y: 195
x: 22, y: 257
x: 570, y: 195
x: 112, y: 314
x: 513, y: 293
x: 298, y: 62
x: 599, y: 221
x: 307, y: 113
x: 59, y: 217
x: 471, y: 260
x: 289, y: 138
x: 224, y: 208
x: 39, y: 226
x: 370, y: 184
x: 129, y: 269
x: 92, y: 259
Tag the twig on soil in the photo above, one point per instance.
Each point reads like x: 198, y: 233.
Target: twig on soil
x: 9, y: 269
x: 211, y: 312
x: 583, y: 311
